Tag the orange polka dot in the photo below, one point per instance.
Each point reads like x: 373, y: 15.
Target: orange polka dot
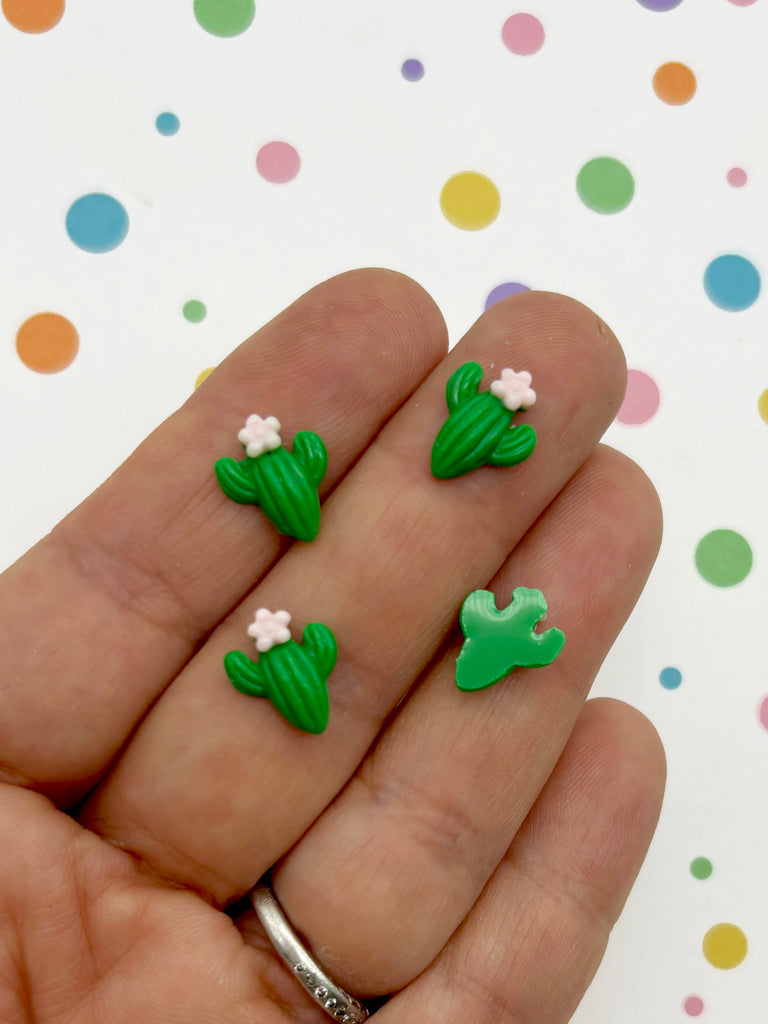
x: 674, y: 83
x: 47, y: 342
x: 33, y: 15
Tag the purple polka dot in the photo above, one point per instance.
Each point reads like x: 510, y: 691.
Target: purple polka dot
x: 659, y: 5
x: 641, y: 401
x: 412, y: 70
x: 501, y: 291
x: 278, y: 162
x: 693, y: 1005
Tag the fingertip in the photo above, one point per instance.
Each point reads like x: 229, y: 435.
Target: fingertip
x: 573, y: 335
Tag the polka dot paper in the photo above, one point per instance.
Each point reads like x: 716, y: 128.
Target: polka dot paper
x: 176, y: 174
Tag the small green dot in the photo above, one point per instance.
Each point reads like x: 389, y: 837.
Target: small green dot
x: 194, y: 311
x: 701, y: 867
x: 605, y: 185
x: 723, y: 558
x: 224, y: 17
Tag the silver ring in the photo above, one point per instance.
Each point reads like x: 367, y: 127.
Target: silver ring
x: 337, y: 1003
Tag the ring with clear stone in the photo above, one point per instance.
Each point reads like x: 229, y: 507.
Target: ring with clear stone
x: 338, y: 1004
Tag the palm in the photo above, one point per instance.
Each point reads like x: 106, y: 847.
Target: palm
x: 144, y: 796
x: 100, y: 942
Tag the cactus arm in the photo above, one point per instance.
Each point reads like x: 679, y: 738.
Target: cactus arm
x: 245, y: 675
x: 478, y: 607
x: 236, y: 482
x: 309, y: 450
x: 499, y: 641
x: 320, y: 644
x: 516, y: 445
x: 462, y: 384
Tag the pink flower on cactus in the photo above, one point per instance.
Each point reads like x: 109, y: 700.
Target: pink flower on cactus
x: 270, y: 628
x: 514, y: 390
x: 259, y: 436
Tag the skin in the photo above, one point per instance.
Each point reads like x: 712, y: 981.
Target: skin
x: 467, y: 852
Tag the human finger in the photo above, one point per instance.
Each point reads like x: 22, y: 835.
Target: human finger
x: 103, y: 612
x: 215, y: 787
x: 436, y: 804
x: 531, y: 945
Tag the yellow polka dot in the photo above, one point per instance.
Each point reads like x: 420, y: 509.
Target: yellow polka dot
x: 725, y: 946
x: 203, y: 375
x: 762, y: 405
x: 470, y: 200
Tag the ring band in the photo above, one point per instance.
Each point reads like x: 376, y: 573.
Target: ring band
x: 337, y: 1003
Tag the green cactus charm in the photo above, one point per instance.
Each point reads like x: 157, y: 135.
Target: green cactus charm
x: 284, y: 484
x: 291, y: 675
x: 499, y: 641
x: 478, y: 430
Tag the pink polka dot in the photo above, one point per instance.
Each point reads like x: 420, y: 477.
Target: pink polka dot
x: 737, y: 177
x: 523, y: 34
x: 278, y: 162
x: 641, y: 401
x: 693, y: 1005
x: 762, y: 712
x: 742, y: 3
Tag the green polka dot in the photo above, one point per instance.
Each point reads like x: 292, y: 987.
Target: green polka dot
x: 224, y: 17
x: 605, y: 185
x: 724, y: 558
x: 194, y: 311
x: 701, y: 867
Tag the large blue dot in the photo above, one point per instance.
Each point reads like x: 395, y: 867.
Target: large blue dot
x: 167, y: 123
x: 732, y: 282
x: 97, y: 222
x: 670, y: 678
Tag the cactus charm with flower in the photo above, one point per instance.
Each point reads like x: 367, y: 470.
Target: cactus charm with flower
x: 284, y: 484
x: 291, y: 675
x: 478, y: 431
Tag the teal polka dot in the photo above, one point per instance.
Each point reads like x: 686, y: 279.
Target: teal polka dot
x: 732, y: 282
x: 670, y: 678
x: 167, y: 123
x: 97, y: 222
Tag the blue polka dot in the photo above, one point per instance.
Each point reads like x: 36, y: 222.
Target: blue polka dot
x: 97, y: 222
x: 412, y: 70
x: 501, y: 291
x: 670, y: 678
x: 167, y: 123
x: 732, y: 282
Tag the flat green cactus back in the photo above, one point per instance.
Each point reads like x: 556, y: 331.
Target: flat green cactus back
x: 499, y: 641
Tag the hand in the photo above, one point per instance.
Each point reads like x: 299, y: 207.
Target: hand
x: 467, y: 852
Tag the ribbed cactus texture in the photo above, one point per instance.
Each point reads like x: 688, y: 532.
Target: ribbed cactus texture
x: 282, y: 483
x: 499, y: 641
x: 478, y: 430
x: 291, y: 675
